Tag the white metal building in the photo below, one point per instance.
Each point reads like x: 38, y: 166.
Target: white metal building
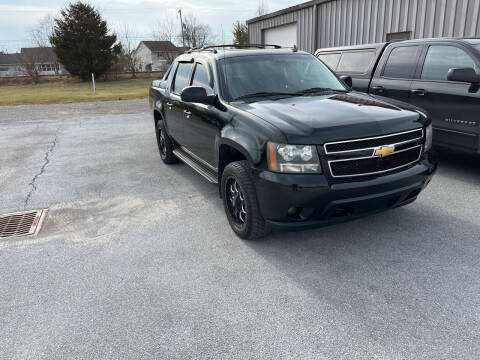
x: 327, y: 23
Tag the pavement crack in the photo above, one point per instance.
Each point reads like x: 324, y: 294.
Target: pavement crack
x: 46, y: 161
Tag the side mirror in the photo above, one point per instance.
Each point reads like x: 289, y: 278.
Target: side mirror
x: 347, y: 79
x: 466, y: 75
x: 197, y: 94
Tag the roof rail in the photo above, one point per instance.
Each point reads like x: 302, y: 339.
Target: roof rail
x: 213, y: 48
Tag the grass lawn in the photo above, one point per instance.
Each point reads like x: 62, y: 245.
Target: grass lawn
x: 68, y: 92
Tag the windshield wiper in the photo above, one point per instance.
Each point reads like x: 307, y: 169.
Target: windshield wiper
x: 319, y: 90
x: 264, y: 94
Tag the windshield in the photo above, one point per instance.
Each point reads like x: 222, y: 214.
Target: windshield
x: 477, y: 47
x: 289, y: 74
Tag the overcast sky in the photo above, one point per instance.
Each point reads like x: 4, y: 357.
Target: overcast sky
x: 17, y: 17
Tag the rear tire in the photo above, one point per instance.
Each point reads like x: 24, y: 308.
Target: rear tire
x: 165, y: 144
x: 240, y: 201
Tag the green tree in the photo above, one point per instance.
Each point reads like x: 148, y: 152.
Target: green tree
x: 82, y: 42
x: 240, y: 33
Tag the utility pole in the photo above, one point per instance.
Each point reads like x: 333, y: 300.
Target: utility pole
x: 181, y: 24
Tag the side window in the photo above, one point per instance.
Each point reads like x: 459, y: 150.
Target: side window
x: 167, y: 73
x: 182, y: 77
x: 440, y: 59
x: 331, y: 60
x: 356, y: 61
x: 200, y: 77
x: 401, y: 63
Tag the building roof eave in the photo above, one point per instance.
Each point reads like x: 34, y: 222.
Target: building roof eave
x: 287, y: 10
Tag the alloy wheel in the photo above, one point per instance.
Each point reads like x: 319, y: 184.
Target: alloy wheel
x: 236, y: 201
x: 162, y: 145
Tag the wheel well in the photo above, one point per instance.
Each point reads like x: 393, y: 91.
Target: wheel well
x: 227, y: 155
x: 157, y: 116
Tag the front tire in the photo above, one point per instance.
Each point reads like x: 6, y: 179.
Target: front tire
x: 165, y: 144
x: 240, y: 201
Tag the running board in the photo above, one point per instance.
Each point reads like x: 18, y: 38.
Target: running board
x: 196, y: 165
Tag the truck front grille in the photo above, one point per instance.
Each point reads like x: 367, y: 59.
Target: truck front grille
x: 371, y: 165
x: 343, y: 146
x: 363, y: 157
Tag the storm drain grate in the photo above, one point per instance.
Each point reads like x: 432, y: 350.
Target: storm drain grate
x: 21, y: 223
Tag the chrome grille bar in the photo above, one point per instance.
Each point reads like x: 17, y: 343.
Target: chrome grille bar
x: 353, y: 141
x: 363, y: 161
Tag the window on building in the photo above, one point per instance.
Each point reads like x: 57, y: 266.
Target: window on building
x: 47, y: 67
x: 3, y: 68
x: 331, y: 60
x: 440, y: 59
x: 356, y: 61
x: 200, y: 77
x: 401, y: 62
x: 182, y: 77
x: 399, y: 36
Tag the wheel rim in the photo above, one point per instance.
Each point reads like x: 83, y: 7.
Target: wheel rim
x: 162, y: 144
x: 236, y: 203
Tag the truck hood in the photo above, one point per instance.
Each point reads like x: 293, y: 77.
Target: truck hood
x: 320, y: 119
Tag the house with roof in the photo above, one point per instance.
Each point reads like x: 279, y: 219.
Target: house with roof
x: 156, y: 55
x: 8, y: 64
x: 42, y: 59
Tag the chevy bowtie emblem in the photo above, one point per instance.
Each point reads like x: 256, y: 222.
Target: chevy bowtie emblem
x: 383, y: 151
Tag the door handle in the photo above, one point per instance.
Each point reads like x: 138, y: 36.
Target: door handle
x: 419, y: 92
x: 188, y: 113
x: 378, y: 89
x: 169, y: 105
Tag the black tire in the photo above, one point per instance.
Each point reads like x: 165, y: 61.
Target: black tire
x: 165, y: 144
x: 240, y: 201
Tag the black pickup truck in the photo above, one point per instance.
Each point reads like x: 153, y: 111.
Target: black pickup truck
x: 440, y: 76
x: 290, y: 146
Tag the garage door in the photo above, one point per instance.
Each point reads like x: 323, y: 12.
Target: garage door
x: 285, y: 35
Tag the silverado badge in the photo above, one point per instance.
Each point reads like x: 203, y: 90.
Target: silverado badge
x: 383, y: 151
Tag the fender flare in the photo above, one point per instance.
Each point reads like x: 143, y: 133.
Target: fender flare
x: 240, y: 141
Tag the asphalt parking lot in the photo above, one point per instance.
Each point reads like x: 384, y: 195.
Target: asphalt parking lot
x: 137, y: 260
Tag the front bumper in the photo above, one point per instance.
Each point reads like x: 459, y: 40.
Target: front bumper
x: 294, y: 202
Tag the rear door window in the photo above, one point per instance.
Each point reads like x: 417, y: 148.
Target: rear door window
x: 331, y: 60
x: 402, y: 62
x: 200, y: 76
x: 356, y: 61
x: 182, y: 77
x: 442, y: 58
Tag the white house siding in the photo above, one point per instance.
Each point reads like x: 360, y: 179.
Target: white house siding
x: 17, y: 70
x: 8, y: 70
x: 159, y: 63
x: 144, y: 57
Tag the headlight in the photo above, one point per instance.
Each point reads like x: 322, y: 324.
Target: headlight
x: 293, y: 158
x: 428, y: 137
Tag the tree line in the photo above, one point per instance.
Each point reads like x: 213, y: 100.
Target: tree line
x: 85, y: 45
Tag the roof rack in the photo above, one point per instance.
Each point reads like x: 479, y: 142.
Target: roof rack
x: 213, y: 48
